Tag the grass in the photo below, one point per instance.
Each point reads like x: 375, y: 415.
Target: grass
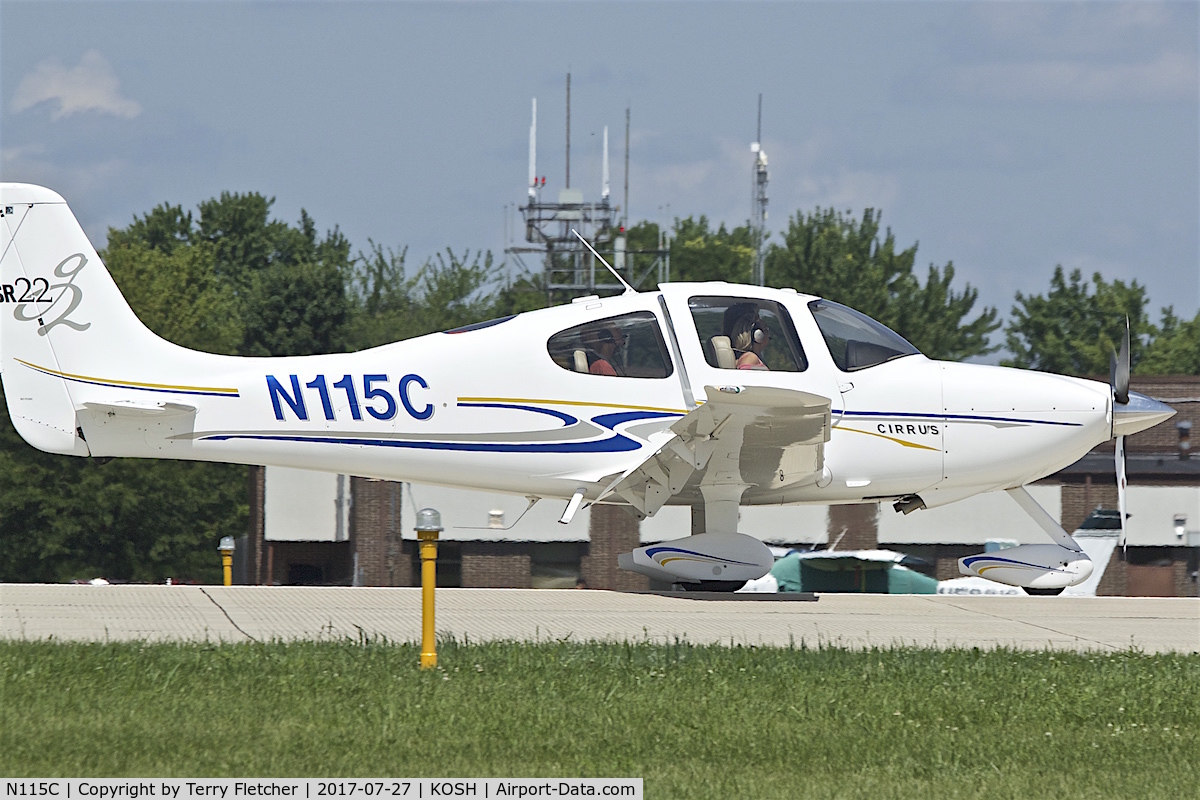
x: 693, y: 721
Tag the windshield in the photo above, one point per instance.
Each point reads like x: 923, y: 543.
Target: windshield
x: 855, y: 340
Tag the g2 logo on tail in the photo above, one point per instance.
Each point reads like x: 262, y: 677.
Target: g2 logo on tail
x: 377, y: 401
x: 34, y: 304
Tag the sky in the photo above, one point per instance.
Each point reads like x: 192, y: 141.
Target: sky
x: 1003, y: 137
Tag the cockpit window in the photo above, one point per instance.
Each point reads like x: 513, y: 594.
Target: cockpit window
x: 745, y: 333
x: 855, y: 340
x: 628, y: 346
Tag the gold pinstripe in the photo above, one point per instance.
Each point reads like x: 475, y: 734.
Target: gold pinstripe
x: 889, y: 438
x: 109, y: 381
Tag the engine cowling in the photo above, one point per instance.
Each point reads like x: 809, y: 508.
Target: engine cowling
x: 1032, y: 566
x: 703, y: 557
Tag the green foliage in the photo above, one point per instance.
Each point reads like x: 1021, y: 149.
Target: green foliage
x: 282, y: 287
x: 933, y: 316
x: 245, y: 240
x: 175, y: 291
x: 1076, y: 327
x: 1175, y: 348
x: 131, y: 519
x: 452, y: 291
x: 690, y: 720
x: 295, y: 310
x: 448, y: 291
x: 835, y: 256
x: 163, y: 229
x: 644, y: 235
x: 701, y: 254
x: 525, y: 293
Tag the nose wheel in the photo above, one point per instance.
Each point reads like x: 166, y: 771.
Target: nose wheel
x: 1044, y: 592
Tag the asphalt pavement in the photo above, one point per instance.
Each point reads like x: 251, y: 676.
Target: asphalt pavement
x: 261, y: 613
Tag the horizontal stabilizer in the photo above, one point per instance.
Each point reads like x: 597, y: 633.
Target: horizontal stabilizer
x: 139, y: 408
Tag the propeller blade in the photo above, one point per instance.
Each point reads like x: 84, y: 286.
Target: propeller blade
x: 1118, y: 370
x: 1121, y: 483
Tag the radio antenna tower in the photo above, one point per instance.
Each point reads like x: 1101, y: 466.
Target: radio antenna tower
x: 758, y: 207
x: 569, y: 235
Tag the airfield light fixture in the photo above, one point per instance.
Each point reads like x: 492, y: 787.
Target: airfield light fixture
x: 429, y: 525
x: 225, y: 548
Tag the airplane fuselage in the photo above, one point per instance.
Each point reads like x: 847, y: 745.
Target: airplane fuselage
x: 490, y: 407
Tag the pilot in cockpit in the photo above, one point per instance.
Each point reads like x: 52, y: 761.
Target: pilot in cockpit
x: 750, y: 338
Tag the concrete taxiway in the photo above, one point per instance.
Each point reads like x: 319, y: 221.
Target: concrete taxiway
x: 245, y: 613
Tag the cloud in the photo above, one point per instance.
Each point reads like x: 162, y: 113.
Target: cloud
x: 91, y: 86
x: 848, y: 190
x: 1078, y: 28
x: 1171, y: 75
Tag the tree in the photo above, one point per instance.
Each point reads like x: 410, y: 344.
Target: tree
x: 1175, y: 348
x: 833, y: 255
x: 281, y: 286
x: 1076, y: 327
x: 163, y: 229
x: 245, y: 240
x: 446, y: 292
x: 295, y: 310
x: 175, y: 291
x: 132, y: 519
x: 701, y: 254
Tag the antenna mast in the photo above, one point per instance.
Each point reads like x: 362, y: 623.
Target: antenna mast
x: 567, y: 184
x: 625, y: 205
x: 758, y: 213
x: 533, y: 153
x: 604, y: 168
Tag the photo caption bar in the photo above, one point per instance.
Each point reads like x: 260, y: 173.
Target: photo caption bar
x: 314, y: 789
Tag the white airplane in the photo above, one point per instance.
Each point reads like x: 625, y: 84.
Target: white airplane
x: 711, y: 395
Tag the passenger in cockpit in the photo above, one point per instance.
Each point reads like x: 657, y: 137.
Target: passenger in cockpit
x: 750, y: 338
x: 604, y: 343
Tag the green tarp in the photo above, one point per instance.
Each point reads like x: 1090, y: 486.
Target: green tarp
x: 794, y: 574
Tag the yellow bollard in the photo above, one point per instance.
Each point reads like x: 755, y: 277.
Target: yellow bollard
x: 429, y: 524
x: 226, y: 550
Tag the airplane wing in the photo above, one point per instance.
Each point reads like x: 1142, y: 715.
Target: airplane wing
x: 759, y: 437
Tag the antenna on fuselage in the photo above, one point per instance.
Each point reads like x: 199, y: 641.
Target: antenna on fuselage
x: 617, y: 275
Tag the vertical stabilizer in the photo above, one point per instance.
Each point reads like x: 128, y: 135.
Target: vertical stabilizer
x: 63, y: 320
